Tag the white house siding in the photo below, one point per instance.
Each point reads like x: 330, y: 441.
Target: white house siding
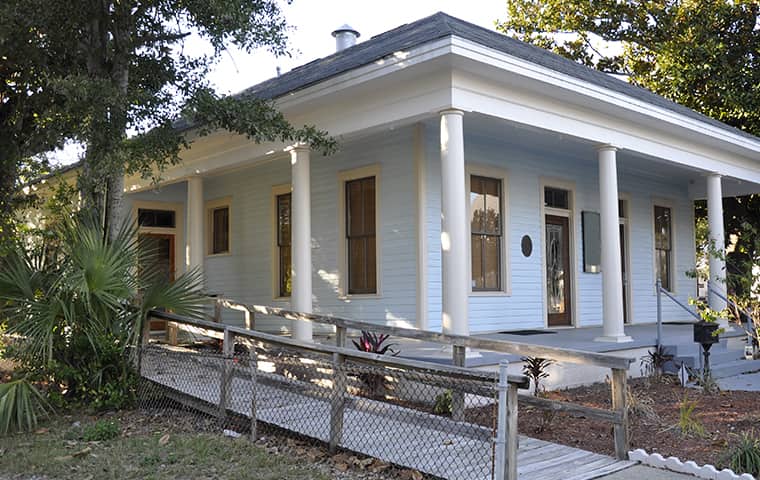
x: 246, y: 273
x: 524, y: 307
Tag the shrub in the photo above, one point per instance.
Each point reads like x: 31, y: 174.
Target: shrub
x: 442, y: 404
x: 374, y: 343
x: 101, y: 430
x: 535, y: 368
x: 688, y: 424
x: 20, y: 405
x: 743, y: 455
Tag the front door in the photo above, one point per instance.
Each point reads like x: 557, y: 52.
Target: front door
x: 558, y: 274
x: 160, y: 250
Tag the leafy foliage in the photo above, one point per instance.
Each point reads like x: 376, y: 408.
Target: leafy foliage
x: 373, y: 343
x: 20, y: 405
x: 699, y: 54
x: 101, y: 430
x: 743, y: 455
x: 536, y: 368
x: 79, y: 303
x: 688, y: 423
x: 653, y: 364
x: 443, y: 405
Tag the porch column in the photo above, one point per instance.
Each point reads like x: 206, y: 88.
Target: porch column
x: 454, y: 231
x: 194, y: 239
x: 612, y: 269
x: 300, y: 240
x: 716, y: 237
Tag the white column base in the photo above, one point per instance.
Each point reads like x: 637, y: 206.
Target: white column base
x: 614, y: 339
x: 468, y: 352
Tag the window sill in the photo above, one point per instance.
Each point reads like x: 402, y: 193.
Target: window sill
x: 496, y: 293
x: 223, y: 254
x: 361, y: 296
x: 281, y: 299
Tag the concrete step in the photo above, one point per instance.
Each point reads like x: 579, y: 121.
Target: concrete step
x: 737, y: 367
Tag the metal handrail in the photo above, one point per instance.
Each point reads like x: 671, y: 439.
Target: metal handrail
x: 750, y: 320
x: 660, y: 290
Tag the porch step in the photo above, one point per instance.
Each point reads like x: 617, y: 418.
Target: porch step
x: 690, y: 354
x: 736, y: 367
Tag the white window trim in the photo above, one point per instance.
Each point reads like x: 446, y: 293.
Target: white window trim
x: 278, y: 190
x: 667, y: 203
x: 343, y: 177
x: 211, y: 205
x: 627, y: 222
x: 505, y: 271
x: 570, y: 214
x: 178, y: 231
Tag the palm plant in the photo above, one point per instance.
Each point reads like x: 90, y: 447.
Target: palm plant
x: 79, y: 302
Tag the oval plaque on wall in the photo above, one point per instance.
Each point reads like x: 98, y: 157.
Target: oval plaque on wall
x: 527, y: 245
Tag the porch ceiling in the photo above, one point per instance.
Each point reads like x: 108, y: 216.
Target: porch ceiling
x: 541, y: 142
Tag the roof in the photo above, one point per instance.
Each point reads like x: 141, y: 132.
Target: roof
x: 441, y: 25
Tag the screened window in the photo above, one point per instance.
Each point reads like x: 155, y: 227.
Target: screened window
x: 663, y: 244
x: 556, y: 198
x: 220, y: 230
x: 486, y: 233
x: 283, y: 244
x: 156, y: 218
x: 360, y: 236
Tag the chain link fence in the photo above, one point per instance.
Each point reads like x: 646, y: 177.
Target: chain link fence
x: 423, y: 419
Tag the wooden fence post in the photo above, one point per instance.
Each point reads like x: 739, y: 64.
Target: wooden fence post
x: 228, y: 351
x: 619, y: 394
x: 505, y: 459
x: 253, y: 366
x: 340, y: 336
x: 337, y: 401
x: 457, y: 398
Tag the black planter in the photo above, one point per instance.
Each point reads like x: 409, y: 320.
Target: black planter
x: 703, y: 333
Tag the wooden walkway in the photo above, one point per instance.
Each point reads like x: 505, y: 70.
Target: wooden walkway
x: 410, y: 438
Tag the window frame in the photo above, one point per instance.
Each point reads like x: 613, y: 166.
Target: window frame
x: 343, y: 178
x: 180, y: 262
x: 211, y: 206
x: 277, y: 191
x: 664, y: 203
x: 501, y: 175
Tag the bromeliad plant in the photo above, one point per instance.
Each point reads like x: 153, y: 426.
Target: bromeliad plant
x: 79, y: 301
x: 374, y: 343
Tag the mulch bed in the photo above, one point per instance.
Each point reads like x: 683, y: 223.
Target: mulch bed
x: 722, y: 414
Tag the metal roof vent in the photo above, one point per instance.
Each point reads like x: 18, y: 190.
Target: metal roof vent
x: 345, y: 37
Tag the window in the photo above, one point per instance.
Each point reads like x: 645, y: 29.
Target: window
x: 282, y: 206
x: 663, y: 244
x: 556, y: 198
x: 218, y: 230
x: 156, y: 218
x: 361, y: 235
x: 486, y: 233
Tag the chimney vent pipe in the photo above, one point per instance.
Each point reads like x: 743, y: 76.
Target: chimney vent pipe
x: 345, y: 37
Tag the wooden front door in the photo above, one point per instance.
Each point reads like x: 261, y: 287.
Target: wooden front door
x: 558, y: 274
x: 160, y: 248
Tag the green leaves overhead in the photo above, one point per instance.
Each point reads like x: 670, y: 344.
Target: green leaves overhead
x: 700, y: 53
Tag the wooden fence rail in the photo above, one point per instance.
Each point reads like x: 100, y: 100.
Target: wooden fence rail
x: 617, y: 416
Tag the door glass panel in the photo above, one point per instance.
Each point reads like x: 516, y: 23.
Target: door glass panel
x: 555, y: 268
x: 158, y: 251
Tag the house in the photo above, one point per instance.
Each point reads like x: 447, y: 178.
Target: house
x: 482, y: 185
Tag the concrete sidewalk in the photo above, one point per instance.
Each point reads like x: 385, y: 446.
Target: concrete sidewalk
x: 642, y: 472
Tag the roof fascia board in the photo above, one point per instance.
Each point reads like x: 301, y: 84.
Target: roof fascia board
x: 480, y: 53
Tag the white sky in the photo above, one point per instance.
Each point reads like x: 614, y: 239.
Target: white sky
x: 313, y: 22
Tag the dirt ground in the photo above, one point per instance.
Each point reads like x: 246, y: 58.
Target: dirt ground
x: 654, y: 420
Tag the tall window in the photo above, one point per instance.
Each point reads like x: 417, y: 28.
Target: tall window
x: 360, y: 235
x: 663, y: 244
x: 486, y: 233
x: 220, y: 230
x: 283, y: 244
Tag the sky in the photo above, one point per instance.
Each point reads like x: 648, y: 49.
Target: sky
x: 312, y: 23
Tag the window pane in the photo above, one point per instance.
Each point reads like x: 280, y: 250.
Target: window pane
x: 493, y: 206
x: 371, y: 280
x: 360, y: 233
x: 285, y: 283
x: 354, y: 208
x: 156, y: 218
x: 491, y: 263
x: 283, y: 219
x: 662, y: 264
x: 368, y: 207
x: 357, y: 262
x: 556, y: 198
x: 477, y: 262
x: 622, y: 204
x: 220, y: 230
x: 662, y: 222
x: 477, y: 205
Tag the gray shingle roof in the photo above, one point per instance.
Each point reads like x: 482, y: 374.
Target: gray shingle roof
x: 441, y: 25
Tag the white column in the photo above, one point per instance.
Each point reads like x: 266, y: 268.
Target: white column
x: 300, y: 296
x: 716, y: 236
x: 454, y: 226
x: 194, y: 239
x: 612, y: 269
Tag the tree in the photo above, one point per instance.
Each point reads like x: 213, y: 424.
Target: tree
x: 126, y: 71
x: 700, y: 53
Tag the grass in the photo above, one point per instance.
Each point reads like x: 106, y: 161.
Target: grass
x: 59, y: 451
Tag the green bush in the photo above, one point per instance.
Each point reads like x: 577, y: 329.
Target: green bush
x: 442, y: 404
x: 20, y: 405
x: 743, y: 455
x: 101, y: 430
